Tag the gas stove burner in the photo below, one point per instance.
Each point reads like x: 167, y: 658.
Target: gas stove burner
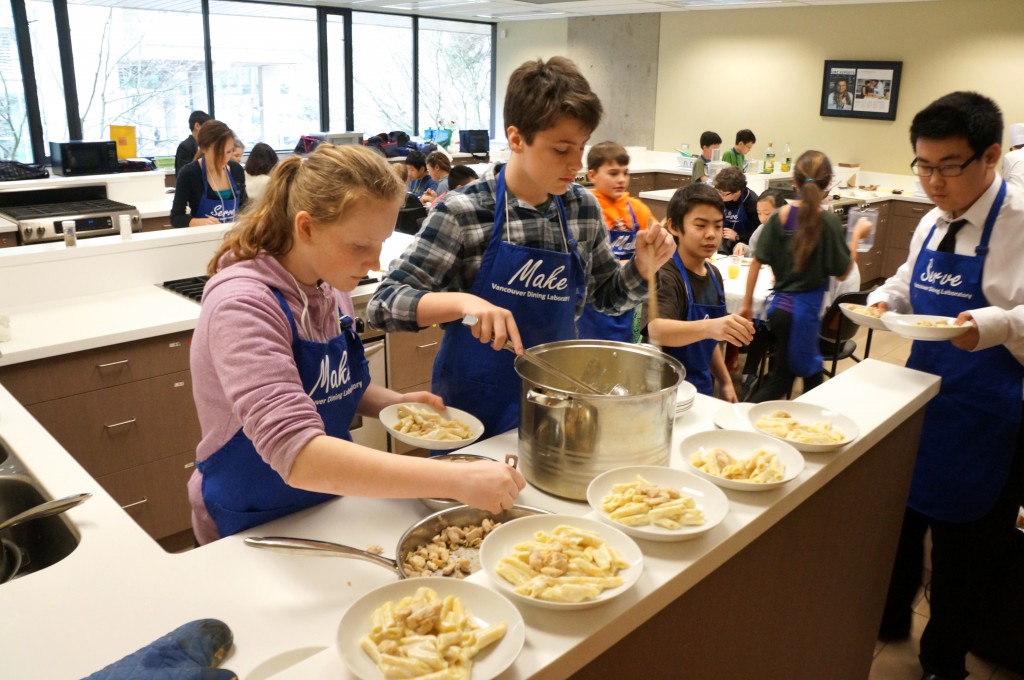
x: 101, y: 205
x: 371, y: 277
x: 192, y: 287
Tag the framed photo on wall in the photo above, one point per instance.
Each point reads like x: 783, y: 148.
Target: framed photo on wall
x: 861, y: 89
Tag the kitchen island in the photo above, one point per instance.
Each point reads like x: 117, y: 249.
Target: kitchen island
x: 794, y: 576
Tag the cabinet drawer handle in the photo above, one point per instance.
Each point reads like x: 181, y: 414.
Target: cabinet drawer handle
x: 113, y: 363
x: 123, y: 422
x: 917, y: 210
x: 132, y: 505
x: 428, y: 345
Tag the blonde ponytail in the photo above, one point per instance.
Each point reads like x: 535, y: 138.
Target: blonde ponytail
x: 324, y: 185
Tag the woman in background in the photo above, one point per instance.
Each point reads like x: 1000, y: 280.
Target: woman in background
x: 210, y: 189
x: 258, y: 166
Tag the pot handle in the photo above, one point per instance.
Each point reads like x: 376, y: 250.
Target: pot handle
x: 548, y: 400
x: 308, y: 546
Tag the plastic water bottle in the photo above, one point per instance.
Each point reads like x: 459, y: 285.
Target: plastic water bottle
x: 126, y: 227
x: 769, y: 160
x: 70, y: 237
x: 787, y: 159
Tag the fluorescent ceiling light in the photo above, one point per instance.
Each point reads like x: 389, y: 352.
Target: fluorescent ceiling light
x: 721, y: 3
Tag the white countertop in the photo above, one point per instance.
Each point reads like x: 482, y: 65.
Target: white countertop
x: 118, y: 591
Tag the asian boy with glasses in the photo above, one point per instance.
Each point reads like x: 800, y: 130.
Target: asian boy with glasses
x: 964, y: 262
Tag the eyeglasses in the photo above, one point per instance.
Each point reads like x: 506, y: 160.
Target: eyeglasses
x: 953, y: 170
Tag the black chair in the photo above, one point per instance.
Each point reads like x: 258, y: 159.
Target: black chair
x: 836, y: 331
x: 410, y: 216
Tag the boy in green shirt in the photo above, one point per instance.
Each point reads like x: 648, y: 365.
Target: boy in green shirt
x: 736, y: 156
x: 709, y: 141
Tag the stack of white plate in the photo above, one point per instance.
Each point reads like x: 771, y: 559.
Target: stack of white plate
x: 685, y: 396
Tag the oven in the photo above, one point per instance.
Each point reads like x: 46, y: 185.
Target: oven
x: 38, y: 215
x: 365, y: 431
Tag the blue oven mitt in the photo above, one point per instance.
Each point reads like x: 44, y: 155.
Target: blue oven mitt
x: 186, y: 653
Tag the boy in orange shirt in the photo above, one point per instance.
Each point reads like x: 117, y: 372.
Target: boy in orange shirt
x: 624, y: 216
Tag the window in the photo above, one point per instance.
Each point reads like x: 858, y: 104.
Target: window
x: 50, y: 86
x: 336, y: 72
x: 454, y: 74
x: 139, y: 67
x: 14, y: 140
x: 265, y: 77
x: 382, y: 76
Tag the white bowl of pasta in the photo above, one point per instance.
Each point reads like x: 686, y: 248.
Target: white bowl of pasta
x: 657, y: 503
x: 614, y: 564
x: 485, y: 618
x: 426, y: 427
x: 745, y: 461
x: 808, y: 427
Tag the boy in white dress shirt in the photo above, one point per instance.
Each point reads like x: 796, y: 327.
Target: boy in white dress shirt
x: 964, y: 262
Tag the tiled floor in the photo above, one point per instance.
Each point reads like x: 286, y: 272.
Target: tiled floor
x: 898, y: 660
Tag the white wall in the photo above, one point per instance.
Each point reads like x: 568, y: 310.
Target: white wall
x: 520, y: 41
x: 762, y: 69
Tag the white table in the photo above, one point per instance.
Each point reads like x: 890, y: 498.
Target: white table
x: 736, y: 288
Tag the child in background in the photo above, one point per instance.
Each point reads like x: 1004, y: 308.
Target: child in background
x: 276, y: 440
x: 804, y: 246
x: 419, y: 179
x: 691, y: 295
x: 736, y: 156
x: 438, y: 167
x: 625, y: 217
x: 709, y: 141
x: 521, y: 250
x: 740, y: 208
x: 258, y: 167
x: 237, y: 151
x: 460, y: 176
x: 758, y: 347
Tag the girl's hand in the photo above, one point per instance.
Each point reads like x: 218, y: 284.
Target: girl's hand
x: 862, y: 229
x: 490, y: 486
x: 740, y: 249
x: 663, y: 244
x: 493, y: 324
x: 746, y: 312
x: 428, y: 197
x: 727, y: 392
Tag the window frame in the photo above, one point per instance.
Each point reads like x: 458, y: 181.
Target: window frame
x: 66, y: 59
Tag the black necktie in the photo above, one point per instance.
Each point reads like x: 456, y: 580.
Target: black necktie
x: 948, y: 243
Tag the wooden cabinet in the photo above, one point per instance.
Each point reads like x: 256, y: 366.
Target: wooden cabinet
x: 641, y: 181
x: 156, y: 223
x: 669, y: 180
x: 8, y: 239
x: 127, y: 415
x: 870, y: 263
x: 904, y: 216
x: 410, y: 363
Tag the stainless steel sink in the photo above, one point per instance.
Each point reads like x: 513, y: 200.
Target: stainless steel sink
x: 42, y: 542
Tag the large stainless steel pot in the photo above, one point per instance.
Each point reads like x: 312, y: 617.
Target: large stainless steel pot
x: 566, y: 438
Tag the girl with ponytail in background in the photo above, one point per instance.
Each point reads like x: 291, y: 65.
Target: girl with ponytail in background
x: 804, y: 246
x: 278, y: 370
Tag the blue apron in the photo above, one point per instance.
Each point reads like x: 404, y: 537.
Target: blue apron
x: 967, y: 443
x: 598, y: 325
x: 696, y: 356
x: 736, y: 219
x: 804, y: 353
x: 540, y: 288
x: 240, y: 489
x: 222, y: 209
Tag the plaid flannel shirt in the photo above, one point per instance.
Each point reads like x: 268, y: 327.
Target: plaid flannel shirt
x: 446, y: 253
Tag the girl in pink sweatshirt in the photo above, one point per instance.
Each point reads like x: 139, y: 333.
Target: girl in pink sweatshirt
x: 278, y: 371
